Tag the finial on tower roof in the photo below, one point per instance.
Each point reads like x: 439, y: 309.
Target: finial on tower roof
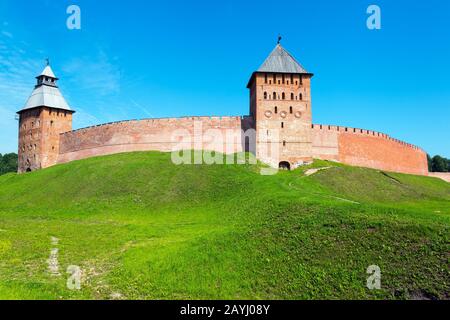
x: 279, y: 38
x: 48, y: 61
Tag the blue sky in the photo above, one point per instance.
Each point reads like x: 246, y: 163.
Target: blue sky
x: 138, y: 59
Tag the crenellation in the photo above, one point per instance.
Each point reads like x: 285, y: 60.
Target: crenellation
x: 358, y: 131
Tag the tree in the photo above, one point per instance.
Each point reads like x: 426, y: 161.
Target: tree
x: 8, y: 163
x: 439, y: 164
x: 430, y: 163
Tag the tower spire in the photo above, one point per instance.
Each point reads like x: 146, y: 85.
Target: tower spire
x: 47, y: 60
x: 279, y: 39
x: 46, y: 92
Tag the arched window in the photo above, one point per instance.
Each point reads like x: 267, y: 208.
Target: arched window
x: 284, y: 143
x: 282, y: 77
x: 300, y: 96
x: 265, y: 78
x: 276, y: 110
x: 291, y: 110
x: 274, y: 78
x: 265, y: 95
x: 292, y: 96
x: 274, y: 96
x: 282, y: 125
x: 283, y: 96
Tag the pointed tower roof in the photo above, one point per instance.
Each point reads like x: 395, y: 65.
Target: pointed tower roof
x: 46, y: 93
x: 48, y: 72
x: 280, y: 61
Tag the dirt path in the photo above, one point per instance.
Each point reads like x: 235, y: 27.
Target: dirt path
x: 313, y: 171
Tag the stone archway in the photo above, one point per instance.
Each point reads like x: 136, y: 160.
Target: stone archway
x: 284, y: 165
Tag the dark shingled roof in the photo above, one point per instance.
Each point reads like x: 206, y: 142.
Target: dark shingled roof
x: 281, y: 61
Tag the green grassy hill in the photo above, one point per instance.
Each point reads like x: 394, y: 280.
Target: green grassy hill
x: 141, y: 227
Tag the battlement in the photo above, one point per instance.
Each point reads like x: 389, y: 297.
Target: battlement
x: 359, y: 131
x: 157, y: 122
x: 367, y: 148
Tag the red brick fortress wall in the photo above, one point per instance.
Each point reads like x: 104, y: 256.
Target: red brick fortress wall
x: 347, y: 145
x: 155, y: 135
x: 367, y: 148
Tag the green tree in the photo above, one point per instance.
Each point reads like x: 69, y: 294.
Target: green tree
x: 430, y: 163
x: 439, y: 164
x: 8, y: 163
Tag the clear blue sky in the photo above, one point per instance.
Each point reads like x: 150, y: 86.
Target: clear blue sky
x: 138, y: 59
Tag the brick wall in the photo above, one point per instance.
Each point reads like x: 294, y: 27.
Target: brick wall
x: 325, y: 142
x: 281, y: 104
x: 367, y: 148
x: 30, y: 140
x: 222, y: 134
x: 39, y: 132
x: 54, y: 122
x: 347, y: 145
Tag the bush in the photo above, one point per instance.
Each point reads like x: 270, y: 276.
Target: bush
x: 8, y: 163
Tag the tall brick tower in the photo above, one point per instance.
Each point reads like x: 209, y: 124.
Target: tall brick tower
x: 280, y: 104
x: 45, y: 115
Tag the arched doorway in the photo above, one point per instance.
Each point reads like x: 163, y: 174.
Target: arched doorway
x: 284, y: 165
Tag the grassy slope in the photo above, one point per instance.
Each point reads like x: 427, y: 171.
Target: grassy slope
x: 140, y: 227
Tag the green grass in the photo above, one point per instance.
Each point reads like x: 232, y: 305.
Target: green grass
x: 142, y: 228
